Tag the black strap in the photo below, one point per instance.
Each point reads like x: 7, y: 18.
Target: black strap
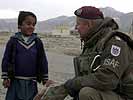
x: 11, y: 63
x: 40, y: 54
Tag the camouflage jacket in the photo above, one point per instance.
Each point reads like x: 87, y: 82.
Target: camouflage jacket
x: 109, y: 69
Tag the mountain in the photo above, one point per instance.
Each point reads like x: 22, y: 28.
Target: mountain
x: 8, y: 25
x: 108, y: 11
x: 123, y: 19
x: 126, y: 21
x: 67, y: 22
x: 52, y: 24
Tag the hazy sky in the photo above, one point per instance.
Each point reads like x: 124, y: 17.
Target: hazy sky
x: 46, y: 9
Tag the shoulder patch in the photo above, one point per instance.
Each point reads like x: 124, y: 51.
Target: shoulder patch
x: 115, y: 50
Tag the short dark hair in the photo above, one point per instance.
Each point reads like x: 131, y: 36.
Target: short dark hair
x: 23, y: 14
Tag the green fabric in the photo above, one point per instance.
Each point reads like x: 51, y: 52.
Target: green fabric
x: 55, y: 93
x: 88, y: 93
x: 89, y: 51
x: 109, y: 75
x: 84, y: 61
x: 127, y: 83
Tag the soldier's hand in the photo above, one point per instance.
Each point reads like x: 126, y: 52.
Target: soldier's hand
x: 55, y: 93
x: 40, y: 93
x: 37, y: 97
x: 49, y: 82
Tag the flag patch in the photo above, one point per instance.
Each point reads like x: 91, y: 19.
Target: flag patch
x: 115, y: 50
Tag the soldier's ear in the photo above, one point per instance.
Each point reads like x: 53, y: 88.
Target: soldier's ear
x: 91, y: 23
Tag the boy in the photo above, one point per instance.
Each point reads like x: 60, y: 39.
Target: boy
x: 24, y: 61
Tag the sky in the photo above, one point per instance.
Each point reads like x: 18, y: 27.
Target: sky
x: 46, y: 9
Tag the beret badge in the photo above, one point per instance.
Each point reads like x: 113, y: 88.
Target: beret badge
x: 79, y: 11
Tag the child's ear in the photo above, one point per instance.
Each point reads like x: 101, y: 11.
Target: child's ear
x: 19, y: 26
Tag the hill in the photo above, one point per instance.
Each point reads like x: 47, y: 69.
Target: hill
x: 123, y: 19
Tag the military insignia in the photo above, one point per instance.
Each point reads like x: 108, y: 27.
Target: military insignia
x: 111, y: 62
x: 115, y: 50
x: 79, y: 11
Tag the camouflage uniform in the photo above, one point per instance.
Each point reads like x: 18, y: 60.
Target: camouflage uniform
x: 103, y: 74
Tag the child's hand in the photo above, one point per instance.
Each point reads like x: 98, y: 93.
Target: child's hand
x: 6, y: 83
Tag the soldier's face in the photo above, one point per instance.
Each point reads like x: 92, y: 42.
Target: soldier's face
x: 83, y: 26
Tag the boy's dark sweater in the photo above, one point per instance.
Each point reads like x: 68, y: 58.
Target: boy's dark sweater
x: 25, y: 59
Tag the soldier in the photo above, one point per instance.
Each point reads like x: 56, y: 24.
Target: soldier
x: 104, y: 68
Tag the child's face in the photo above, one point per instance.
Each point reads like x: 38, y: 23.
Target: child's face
x: 28, y: 25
